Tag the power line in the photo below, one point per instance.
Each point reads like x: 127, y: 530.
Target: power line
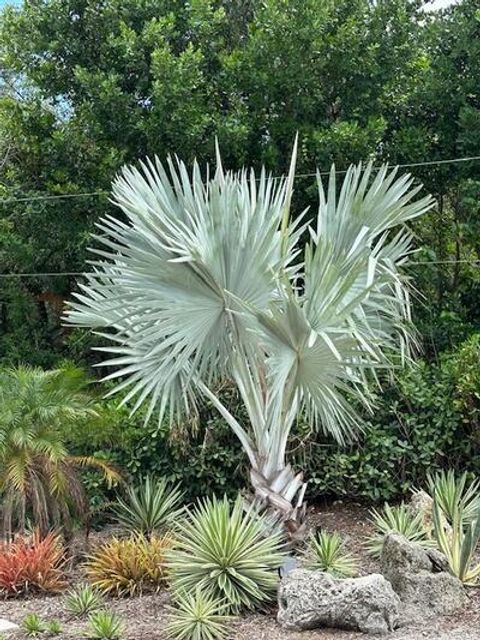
x: 88, y: 194
x: 61, y: 274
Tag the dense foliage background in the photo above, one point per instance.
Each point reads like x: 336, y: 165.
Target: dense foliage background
x: 87, y: 86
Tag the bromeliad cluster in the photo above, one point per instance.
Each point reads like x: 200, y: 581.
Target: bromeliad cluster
x: 204, y: 278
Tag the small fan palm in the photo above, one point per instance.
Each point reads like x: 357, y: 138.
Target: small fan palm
x: 38, y: 476
x: 149, y: 507
x: 205, y: 280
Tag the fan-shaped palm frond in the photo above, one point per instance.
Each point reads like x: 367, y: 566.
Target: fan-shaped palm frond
x: 203, y: 279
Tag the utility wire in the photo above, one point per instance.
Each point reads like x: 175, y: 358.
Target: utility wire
x: 84, y: 273
x: 297, y: 175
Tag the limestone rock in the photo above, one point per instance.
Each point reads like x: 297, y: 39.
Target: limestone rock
x: 311, y: 599
x: 6, y: 626
x: 421, y: 579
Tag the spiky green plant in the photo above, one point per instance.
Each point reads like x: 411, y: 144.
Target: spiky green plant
x: 83, y: 599
x: 197, y: 616
x: 397, y: 519
x: 105, y: 625
x: 33, y: 625
x: 326, y: 551
x: 453, y: 492
x: 38, y: 475
x: 149, y: 507
x: 54, y: 627
x: 221, y: 549
x: 200, y: 280
x: 459, y: 543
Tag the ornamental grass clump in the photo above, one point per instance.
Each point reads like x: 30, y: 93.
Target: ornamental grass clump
x: 129, y: 566
x: 223, y: 550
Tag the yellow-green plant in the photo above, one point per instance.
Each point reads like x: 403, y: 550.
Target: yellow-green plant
x: 197, y: 616
x: 397, y: 519
x: 225, y: 551
x: 82, y: 600
x: 326, y: 551
x: 129, y: 566
x: 459, y: 542
x: 454, y: 492
x: 105, y: 625
x: 33, y: 625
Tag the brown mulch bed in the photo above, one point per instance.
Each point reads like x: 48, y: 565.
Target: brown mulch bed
x: 145, y: 616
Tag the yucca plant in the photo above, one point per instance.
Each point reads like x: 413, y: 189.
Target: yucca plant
x: 454, y: 492
x: 197, y: 616
x: 326, y: 551
x: 38, y: 476
x: 203, y: 278
x: 33, y: 625
x: 459, y: 544
x: 83, y: 599
x: 397, y: 519
x: 54, y: 627
x: 105, y: 625
x: 129, y: 566
x: 223, y: 550
x: 149, y: 507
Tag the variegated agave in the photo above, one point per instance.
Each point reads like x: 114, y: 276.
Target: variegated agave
x: 203, y: 279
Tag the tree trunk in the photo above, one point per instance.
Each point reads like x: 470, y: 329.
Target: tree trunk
x: 282, y: 495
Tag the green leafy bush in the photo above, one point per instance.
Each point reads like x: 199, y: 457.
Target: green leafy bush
x: 222, y: 550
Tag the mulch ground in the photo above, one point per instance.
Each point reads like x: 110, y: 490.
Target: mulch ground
x: 145, y: 616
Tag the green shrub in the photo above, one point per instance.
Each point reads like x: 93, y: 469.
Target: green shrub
x: 222, y: 550
x: 424, y: 421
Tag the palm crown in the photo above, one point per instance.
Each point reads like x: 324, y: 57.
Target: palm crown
x: 206, y: 279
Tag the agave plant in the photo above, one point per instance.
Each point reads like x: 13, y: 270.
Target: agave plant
x: 149, y: 507
x: 82, y: 600
x: 204, y: 279
x: 326, y: 552
x: 197, y: 616
x: 398, y: 519
x: 223, y: 550
x: 38, y: 476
